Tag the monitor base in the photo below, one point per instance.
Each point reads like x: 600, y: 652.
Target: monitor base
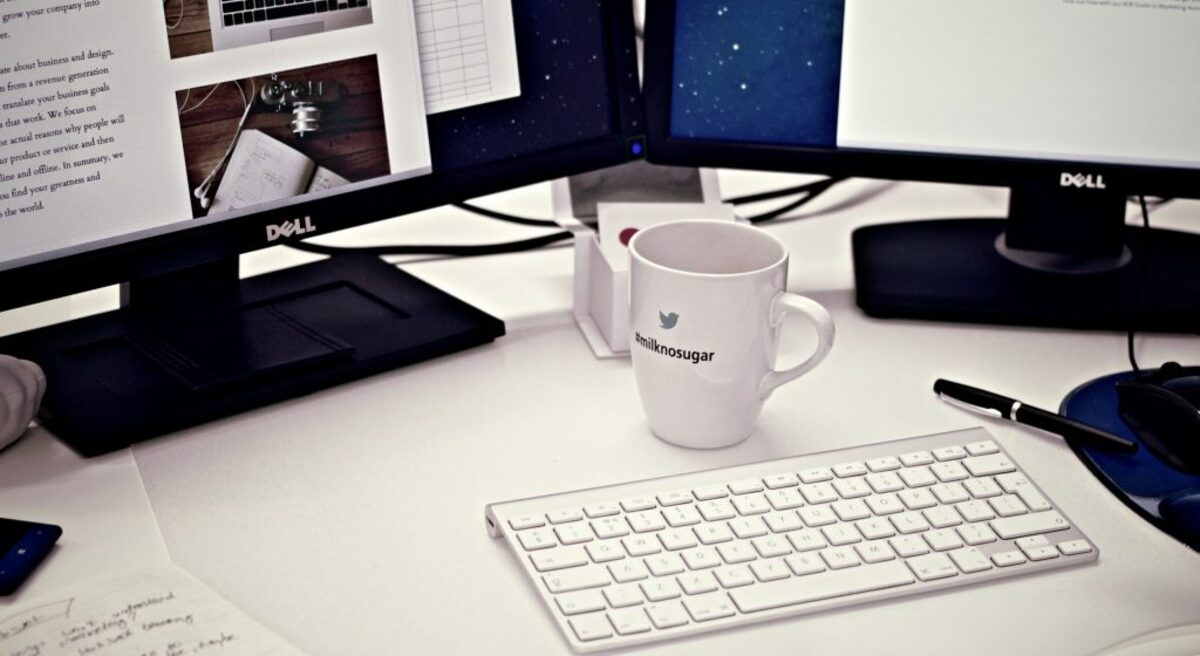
x: 951, y: 270
x: 136, y: 373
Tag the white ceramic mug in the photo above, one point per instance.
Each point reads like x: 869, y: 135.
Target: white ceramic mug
x: 707, y: 302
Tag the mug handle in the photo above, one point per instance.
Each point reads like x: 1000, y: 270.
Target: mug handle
x: 781, y: 305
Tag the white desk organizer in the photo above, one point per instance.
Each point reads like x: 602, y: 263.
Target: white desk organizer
x: 602, y: 266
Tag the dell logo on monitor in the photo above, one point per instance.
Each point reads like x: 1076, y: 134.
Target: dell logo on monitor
x: 1081, y: 181
x: 289, y: 228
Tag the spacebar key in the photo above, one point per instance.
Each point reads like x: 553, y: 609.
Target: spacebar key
x: 804, y: 589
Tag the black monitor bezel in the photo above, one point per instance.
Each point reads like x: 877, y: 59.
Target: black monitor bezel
x: 663, y: 148
x: 181, y: 245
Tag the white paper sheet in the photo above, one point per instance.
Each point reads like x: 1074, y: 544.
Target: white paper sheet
x: 468, y: 52
x: 161, y: 611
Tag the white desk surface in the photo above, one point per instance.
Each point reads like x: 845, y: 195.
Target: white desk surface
x: 351, y: 520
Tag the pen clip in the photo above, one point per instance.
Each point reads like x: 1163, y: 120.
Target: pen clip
x: 991, y: 412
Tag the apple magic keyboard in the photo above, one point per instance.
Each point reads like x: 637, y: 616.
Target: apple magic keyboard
x: 652, y: 560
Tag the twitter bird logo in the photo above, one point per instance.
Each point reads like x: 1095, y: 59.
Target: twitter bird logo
x: 668, y: 321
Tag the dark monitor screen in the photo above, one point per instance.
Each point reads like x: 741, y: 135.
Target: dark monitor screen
x: 150, y: 147
x: 1042, y: 97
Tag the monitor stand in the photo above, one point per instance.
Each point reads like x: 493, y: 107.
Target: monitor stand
x: 200, y: 344
x: 1063, y: 258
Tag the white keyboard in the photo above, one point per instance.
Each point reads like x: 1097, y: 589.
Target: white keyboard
x: 651, y: 560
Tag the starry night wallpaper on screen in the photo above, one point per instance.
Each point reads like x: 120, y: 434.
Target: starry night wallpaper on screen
x: 757, y: 71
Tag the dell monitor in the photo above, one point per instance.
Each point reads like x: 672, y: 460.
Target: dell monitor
x: 149, y: 147
x: 1075, y: 106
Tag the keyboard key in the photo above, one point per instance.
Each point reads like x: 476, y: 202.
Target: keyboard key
x: 549, y: 560
x: 781, y: 481
x: 623, y: 596
x: 785, y: 499
x: 942, y: 539
x: 917, y: 499
x: 816, y: 493
x: 850, y: 511
x: 852, y: 488
x: 805, y: 563
x: 591, y: 627
x: 564, y: 515
x: 661, y: 589
x: 1074, y: 547
x: 949, y: 493
x: 701, y: 558
x: 982, y: 488
x: 610, y: 527
x: 709, y: 607
x: 772, y: 546
x: 975, y: 511
x: 976, y: 534
x: 579, y: 578
x: 716, y: 510
x: 641, y: 545
x: 888, y: 481
x: 573, y: 533
x: 816, y: 475
x: 910, y: 522
x: 982, y: 448
x: 734, y: 577
x: 746, y: 487
x: 841, y: 534
x: 677, y: 516
x: 713, y: 533
x: 583, y: 601
x: 736, y: 552
x: 840, y: 557
x: 675, y: 498
x: 884, y: 464
x: 645, y: 521
x: 677, y: 539
x: 665, y: 564
x: 770, y: 570
x: 695, y: 583
x: 807, y: 540
x: 783, y: 522
x: 942, y: 517
x: 629, y: 621
x: 916, y: 458
x: 600, y: 510
x: 907, y: 546
x: 667, y: 615
x: 989, y: 465
x: 932, y: 567
x: 970, y: 560
x: 605, y: 552
x: 877, y: 551
x: 710, y: 492
x: 815, y: 587
x: 1008, y: 558
x: 848, y: 469
x: 628, y: 571
x: 637, y: 504
x: 1007, y: 505
x: 526, y: 521
x: 748, y: 527
x: 875, y: 528
x: 537, y: 538
x: 917, y: 476
x: 751, y: 504
x: 947, y: 472
x: 1017, y: 527
x: 815, y: 516
x: 884, y: 504
x: 950, y: 453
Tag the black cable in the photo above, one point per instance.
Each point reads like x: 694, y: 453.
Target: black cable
x: 779, y: 193
x: 814, y: 192
x: 1138, y: 287
x: 501, y: 216
x: 438, y: 249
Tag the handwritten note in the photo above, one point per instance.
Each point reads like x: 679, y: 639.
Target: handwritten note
x: 158, y: 612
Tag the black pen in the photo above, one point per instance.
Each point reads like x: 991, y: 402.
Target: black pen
x: 992, y: 404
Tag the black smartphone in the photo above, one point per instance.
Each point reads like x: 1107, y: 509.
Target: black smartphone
x: 23, y: 546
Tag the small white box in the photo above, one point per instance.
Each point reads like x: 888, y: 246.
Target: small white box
x: 601, y: 305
